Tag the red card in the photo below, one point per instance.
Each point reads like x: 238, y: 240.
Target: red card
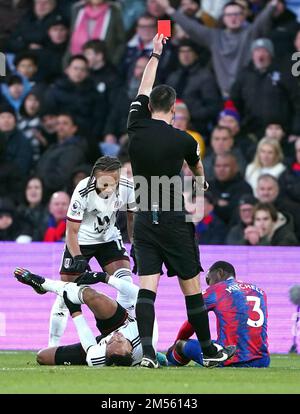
x: 164, y: 27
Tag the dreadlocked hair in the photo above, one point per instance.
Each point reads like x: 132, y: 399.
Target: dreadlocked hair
x: 105, y: 163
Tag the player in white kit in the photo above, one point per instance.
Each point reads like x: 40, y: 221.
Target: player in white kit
x: 119, y: 343
x: 92, y: 232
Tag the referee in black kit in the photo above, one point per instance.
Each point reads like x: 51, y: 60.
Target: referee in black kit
x: 157, y: 149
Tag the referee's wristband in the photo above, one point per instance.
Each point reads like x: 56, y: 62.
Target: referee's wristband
x: 156, y: 55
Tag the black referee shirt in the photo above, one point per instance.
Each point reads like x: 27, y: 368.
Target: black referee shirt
x: 157, y: 149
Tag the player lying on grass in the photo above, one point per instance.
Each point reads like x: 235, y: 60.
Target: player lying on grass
x: 241, y: 313
x: 119, y: 342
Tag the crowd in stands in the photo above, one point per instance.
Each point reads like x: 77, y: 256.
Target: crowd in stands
x: 72, y: 69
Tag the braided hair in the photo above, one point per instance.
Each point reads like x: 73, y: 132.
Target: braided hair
x: 105, y: 163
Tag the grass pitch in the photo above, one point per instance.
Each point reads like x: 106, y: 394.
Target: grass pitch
x: 19, y: 374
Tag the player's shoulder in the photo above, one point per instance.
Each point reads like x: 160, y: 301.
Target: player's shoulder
x: 126, y: 183
x: 84, y: 187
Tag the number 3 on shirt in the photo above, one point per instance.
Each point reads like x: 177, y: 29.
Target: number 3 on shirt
x: 257, y: 309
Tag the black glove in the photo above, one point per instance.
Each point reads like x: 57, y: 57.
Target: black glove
x: 132, y: 254
x: 90, y: 278
x: 70, y: 305
x: 79, y: 264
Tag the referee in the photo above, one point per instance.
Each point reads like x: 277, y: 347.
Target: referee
x: 158, y: 150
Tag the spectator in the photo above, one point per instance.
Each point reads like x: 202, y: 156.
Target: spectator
x: 26, y: 64
x: 58, y: 207
x: 79, y: 173
x: 13, y: 92
x: 156, y: 10
x: 17, y: 149
x: 267, y: 160
x: 191, y: 8
x: 76, y: 93
x: 135, y: 80
x: 50, y: 57
x: 33, y: 210
x: 29, y: 123
x: 290, y: 179
x: 11, y: 227
x: 284, y: 29
x: 140, y: 44
x: 98, y: 19
x: 10, y: 14
x: 59, y: 160
x: 235, y: 235
x: 271, y: 228
x: 268, y: 191
x: 11, y: 179
x: 229, y: 46
x: 47, y: 129
x: 275, y: 91
x: 211, y: 229
x: 230, y: 118
x: 227, y: 186
x: 104, y: 74
x: 277, y: 132
x: 222, y: 142
x: 31, y: 32
x: 195, y: 85
x: 131, y: 11
x: 182, y: 121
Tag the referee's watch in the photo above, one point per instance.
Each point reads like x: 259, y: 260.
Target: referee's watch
x: 156, y: 55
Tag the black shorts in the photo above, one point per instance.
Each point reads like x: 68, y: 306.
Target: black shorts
x: 104, y: 253
x: 171, y: 242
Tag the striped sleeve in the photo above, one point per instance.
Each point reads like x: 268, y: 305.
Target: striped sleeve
x: 95, y: 356
x: 78, y: 202
x: 130, y: 195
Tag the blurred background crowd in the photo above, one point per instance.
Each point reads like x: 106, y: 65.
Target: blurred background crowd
x: 72, y: 69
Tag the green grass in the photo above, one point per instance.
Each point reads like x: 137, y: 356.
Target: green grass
x: 19, y: 374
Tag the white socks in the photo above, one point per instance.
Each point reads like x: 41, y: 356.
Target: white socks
x: 58, y: 321
x: 127, y: 291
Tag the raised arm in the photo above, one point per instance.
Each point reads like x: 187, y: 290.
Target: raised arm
x: 198, y: 32
x: 262, y: 24
x: 149, y: 75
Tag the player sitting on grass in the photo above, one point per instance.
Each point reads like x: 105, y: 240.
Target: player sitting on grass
x: 241, y: 313
x: 119, y: 342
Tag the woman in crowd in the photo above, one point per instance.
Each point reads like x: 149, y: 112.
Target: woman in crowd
x: 267, y: 160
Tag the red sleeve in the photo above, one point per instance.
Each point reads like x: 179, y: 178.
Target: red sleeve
x: 54, y: 234
x: 185, y: 332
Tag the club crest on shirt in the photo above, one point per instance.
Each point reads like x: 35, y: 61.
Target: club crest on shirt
x: 67, y: 263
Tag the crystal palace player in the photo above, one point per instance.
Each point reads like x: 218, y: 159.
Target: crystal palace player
x: 241, y: 313
x: 92, y: 231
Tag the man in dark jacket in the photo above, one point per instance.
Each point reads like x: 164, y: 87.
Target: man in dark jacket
x: 59, y: 160
x: 276, y: 92
x: 268, y: 191
x: 195, y: 85
x: 271, y: 228
x: 75, y: 92
x: 235, y: 235
x: 211, y: 229
x: 17, y: 149
x: 227, y: 186
x: 31, y: 32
